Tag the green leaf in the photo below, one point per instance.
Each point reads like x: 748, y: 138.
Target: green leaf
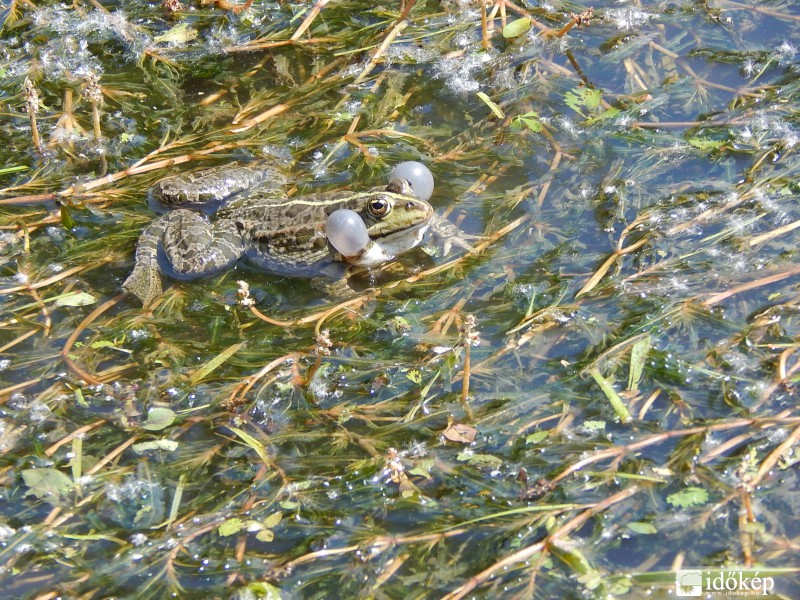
x: 593, y: 425
x: 616, y: 402
x: 254, y: 444
x: 67, y: 220
x: 231, y: 527
x: 46, y: 484
x: 691, y: 496
x: 492, y: 106
x: 592, y: 99
x: 265, y: 535
x: 75, y: 299
x: 481, y: 460
x: 258, y: 590
x: 214, y: 363
x: 639, y: 353
x: 583, y: 97
x: 536, y: 437
x: 530, y: 120
x: 423, y: 468
x: 414, y: 376
x: 272, y: 520
x: 643, y: 528
x: 167, y: 445
x: 179, y: 34
x: 516, y: 27
x: 705, y: 143
x: 158, y: 418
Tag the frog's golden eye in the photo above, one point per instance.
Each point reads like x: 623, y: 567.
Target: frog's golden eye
x: 379, y: 207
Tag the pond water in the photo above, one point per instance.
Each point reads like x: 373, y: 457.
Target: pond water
x: 600, y: 392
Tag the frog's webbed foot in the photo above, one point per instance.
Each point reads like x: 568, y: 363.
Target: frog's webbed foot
x: 144, y: 282
x: 445, y: 235
x: 334, y: 289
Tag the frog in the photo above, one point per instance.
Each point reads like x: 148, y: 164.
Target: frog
x: 214, y: 218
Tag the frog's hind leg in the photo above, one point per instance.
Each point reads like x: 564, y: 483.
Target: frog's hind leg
x: 193, y: 247
x: 145, y: 280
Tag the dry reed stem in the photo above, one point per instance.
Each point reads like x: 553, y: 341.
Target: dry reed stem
x: 71, y: 436
x: 18, y: 339
x: 80, y: 329
x: 751, y: 285
x: 754, y: 241
x: 773, y: 457
x: 318, y: 317
x: 378, y: 53
x: 236, y: 397
x: 312, y: 14
x: 256, y: 45
x: 484, y: 27
x: 50, y: 280
x: 260, y: 118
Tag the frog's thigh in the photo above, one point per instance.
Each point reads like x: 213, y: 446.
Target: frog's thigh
x: 195, y: 247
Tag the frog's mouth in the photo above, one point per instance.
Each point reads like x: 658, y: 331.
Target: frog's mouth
x: 385, y: 248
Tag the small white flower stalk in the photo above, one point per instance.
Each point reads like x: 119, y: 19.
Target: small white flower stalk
x: 468, y: 336
x: 32, y: 106
x: 243, y: 296
x: 94, y: 94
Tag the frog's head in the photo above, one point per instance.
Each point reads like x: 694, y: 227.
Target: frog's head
x: 394, y: 221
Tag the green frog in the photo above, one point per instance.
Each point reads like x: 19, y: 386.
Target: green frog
x: 254, y: 220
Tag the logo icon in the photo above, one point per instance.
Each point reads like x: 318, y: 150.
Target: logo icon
x: 688, y: 582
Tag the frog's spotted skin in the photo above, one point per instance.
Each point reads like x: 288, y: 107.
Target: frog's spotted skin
x: 278, y: 234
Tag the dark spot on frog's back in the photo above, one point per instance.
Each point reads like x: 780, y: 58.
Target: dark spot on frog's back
x: 294, y: 210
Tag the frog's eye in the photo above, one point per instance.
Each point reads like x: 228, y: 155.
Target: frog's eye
x: 379, y: 207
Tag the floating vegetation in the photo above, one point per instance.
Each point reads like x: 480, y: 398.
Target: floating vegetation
x: 600, y: 391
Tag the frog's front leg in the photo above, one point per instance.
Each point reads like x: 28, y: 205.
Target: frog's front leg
x: 446, y: 235
x: 186, y: 246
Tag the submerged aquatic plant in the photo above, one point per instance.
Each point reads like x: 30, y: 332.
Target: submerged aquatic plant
x: 602, y: 390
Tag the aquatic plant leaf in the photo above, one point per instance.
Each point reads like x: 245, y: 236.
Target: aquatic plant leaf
x: 75, y: 299
x: 259, y: 590
x: 492, y: 106
x: 458, y: 432
x: 643, y: 528
x: 168, y: 445
x: 214, y: 363
x: 272, y: 520
x: 46, y: 484
x: 481, y: 460
x: 691, y: 496
x: 516, y: 27
x: 423, y: 469
x: 583, y: 97
x: 265, y: 535
x: 639, y: 353
x: 253, y: 443
x: 530, y: 120
x: 179, y: 34
x: 230, y: 527
x: 158, y: 418
x: 616, y: 402
x: 536, y: 437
